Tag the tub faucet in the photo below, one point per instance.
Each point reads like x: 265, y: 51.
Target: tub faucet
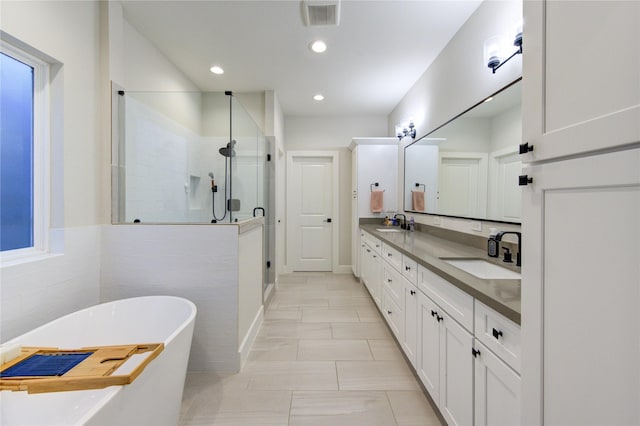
x: 404, y: 220
x: 518, y: 256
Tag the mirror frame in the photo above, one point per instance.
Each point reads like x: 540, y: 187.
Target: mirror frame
x: 404, y: 198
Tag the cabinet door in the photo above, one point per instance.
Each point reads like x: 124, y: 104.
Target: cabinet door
x: 581, y: 292
x: 428, y: 355
x: 574, y: 99
x: 497, y: 390
x: 410, y: 304
x: 376, y: 278
x: 456, y: 372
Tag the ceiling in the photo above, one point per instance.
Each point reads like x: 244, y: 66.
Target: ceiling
x: 374, y: 56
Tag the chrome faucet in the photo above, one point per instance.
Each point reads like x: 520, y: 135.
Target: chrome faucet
x: 498, y: 237
x: 404, y: 220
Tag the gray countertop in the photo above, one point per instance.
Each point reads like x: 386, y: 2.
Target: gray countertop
x: 501, y: 295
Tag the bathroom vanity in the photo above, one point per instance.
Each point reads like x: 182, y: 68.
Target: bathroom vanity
x: 455, y: 313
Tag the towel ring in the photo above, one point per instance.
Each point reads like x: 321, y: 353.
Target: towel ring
x: 376, y: 184
x: 424, y: 187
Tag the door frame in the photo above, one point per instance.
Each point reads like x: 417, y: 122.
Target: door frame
x: 335, y: 210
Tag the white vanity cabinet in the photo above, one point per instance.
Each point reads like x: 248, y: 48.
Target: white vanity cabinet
x: 392, y: 291
x: 371, y: 273
x: 496, y: 389
x: 497, y: 393
x: 444, y: 356
x: 409, y: 342
x: 581, y: 214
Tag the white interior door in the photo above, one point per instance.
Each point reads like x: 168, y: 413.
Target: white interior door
x: 462, y: 184
x: 310, y: 186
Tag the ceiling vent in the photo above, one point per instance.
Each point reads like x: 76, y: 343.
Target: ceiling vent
x: 321, y: 13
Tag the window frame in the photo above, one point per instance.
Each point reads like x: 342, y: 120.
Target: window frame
x: 41, y: 155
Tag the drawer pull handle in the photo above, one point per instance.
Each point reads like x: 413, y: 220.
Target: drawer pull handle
x: 389, y: 312
x: 412, y: 292
x: 368, y: 251
x: 389, y: 280
x: 440, y: 318
x: 497, y: 333
x: 433, y: 313
x: 407, y: 268
x: 475, y: 352
x: 389, y: 254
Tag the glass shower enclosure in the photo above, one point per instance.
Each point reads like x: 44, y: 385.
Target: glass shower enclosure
x: 189, y: 158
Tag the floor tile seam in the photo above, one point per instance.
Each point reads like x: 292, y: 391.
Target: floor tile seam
x: 393, y: 412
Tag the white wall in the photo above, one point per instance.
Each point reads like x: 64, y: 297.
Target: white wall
x: 197, y: 262
x: 457, y: 80
x: 334, y: 134
x: 37, y: 291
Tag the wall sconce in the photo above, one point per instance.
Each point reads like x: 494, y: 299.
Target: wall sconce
x: 494, y: 49
x: 407, y: 130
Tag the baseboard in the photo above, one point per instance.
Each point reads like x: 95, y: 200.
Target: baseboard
x: 342, y: 269
x: 247, y: 343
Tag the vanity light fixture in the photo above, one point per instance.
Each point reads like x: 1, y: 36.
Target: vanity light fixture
x: 216, y: 70
x: 318, y: 46
x: 407, y: 130
x: 494, y: 48
x: 318, y: 97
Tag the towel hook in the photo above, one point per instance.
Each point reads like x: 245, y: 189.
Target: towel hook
x: 424, y: 187
x: 376, y: 184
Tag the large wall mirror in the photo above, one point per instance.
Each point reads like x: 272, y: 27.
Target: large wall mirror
x: 469, y: 166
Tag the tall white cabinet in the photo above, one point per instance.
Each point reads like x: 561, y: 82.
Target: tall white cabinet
x: 373, y: 160
x: 581, y: 214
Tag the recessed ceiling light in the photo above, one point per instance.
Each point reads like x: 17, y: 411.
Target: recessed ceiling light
x: 216, y: 70
x: 318, y: 46
x: 318, y: 97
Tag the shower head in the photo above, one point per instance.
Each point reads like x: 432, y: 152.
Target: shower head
x: 228, y: 150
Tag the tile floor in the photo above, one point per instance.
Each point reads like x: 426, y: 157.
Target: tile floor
x: 323, y: 357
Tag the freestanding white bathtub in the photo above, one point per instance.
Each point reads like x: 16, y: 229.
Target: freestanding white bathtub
x: 154, y: 398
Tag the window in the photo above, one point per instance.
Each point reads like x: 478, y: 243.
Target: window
x: 23, y: 152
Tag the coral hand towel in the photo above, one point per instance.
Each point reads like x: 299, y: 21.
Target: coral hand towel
x: 417, y: 197
x: 376, y: 201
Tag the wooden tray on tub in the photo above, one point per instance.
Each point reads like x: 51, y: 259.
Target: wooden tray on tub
x: 41, y: 369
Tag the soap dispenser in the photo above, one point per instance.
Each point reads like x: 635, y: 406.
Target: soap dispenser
x: 492, y: 245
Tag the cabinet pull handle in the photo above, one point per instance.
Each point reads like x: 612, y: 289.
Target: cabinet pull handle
x: 389, y: 312
x: 377, y: 245
x: 412, y: 292
x: 524, y: 180
x: 475, y: 352
x: 389, y: 254
x: 374, y: 256
x: 525, y: 147
x: 368, y: 251
x: 433, y: 313
x: 407, y: 268
x: 497, y: 333
x: 440, y: 318
x: 389, y: 280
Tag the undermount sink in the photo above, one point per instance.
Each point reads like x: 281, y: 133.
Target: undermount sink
x: 483, y: 269
x: 388, y: 230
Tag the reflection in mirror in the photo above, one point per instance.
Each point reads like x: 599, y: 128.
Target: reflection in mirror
x: 469, y: 167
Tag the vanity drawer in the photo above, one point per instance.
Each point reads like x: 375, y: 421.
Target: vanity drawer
x: 393, y: 314
x: 457, y: 303
x: 410, y: 269
x: 499, y: 334
x: 393, y: 256
x: 392, y: 281
x: 371, y: 241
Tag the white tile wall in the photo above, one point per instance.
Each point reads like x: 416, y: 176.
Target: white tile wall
x: 198, y: 262
x: 34, y: 293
